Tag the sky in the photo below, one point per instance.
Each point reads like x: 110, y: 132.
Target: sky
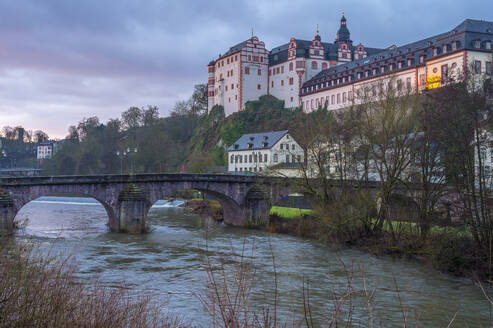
x: 65, y: 60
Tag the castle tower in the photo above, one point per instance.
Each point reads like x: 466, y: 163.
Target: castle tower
x: 210, y: 86
x: 344, y: 42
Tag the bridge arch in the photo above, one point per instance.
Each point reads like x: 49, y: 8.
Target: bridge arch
x: 35, y: 193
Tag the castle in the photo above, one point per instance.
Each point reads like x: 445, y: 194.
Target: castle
x: 248, y: 70
x: 314, y: 73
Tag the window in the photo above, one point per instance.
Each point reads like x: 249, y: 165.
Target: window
x: 314, y: 65
x: 476, y: 44
x: 260, y: 157
x: 232, y: 159
x: 282, y: 145
x: 343, y: 97
x: 338, y: 98
x: 255, y: 158
x: 408, y: 83
x: 488, y: 68
x: 399, y: 84
x: 291, y: 66
x: 287, y: 158
x: 282, y: 83
x: 350, y: 95
x: 291, y: 82
x: 250, y: 158
x: 259, y: 72
x: 275, y: 158
x: 259, y: 87
x: 477, y: 66
x: 292, y: 99
x: 444, y: 72
x: 247, y: 70
x: 487, y: 45
x: 282, y: 69
x: 333, y: 99
x: 246, y: 159
x: 421, y: 59
x: 265, y: 158
x: 300, y: 64
x: 232, y: 86
x: 278, y: 70
x: 422, y: 80
x: 324, y: 65
x: 293, y: 146
x: 271, y: 84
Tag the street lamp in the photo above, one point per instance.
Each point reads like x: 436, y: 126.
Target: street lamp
x: 123, y: 154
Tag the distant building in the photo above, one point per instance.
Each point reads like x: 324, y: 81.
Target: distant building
x: 47, y: 149
x: 257, y: 152
x: 248, y: 70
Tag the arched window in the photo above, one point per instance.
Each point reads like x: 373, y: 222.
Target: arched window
x: 314, y: 65
x: 324, y: 65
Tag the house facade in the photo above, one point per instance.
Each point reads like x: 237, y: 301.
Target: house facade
x: 45, y: 149
x: 248, y: 70
x: 257, y: 152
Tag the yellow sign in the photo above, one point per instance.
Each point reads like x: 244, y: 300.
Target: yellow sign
x: 433, y: 82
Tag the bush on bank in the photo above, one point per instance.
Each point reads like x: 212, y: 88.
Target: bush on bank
x: 36, y: 291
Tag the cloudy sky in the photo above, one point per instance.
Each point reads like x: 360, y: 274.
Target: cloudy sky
x: 63, y: 60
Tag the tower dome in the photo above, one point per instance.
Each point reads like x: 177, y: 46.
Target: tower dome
x: 343, y: 34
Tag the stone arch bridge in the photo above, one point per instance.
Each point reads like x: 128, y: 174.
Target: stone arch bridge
x: 128, y: 198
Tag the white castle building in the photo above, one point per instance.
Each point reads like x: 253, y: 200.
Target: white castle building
x: 248, y: 70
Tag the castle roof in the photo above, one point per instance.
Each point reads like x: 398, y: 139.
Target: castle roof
x: 464, y: 34
x: 280, y: 54
x: 262, y: 140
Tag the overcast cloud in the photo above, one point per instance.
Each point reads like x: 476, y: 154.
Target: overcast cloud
x: 63, y: 60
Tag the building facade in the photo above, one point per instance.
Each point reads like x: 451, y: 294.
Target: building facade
x: 248, y: 70
x: 257, y: 152
x: 414, y: 67
x: 46, y: 149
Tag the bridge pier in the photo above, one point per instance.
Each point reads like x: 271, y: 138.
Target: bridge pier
x: 257, y: 207
x: 7, y: 213
x: 131, y: 211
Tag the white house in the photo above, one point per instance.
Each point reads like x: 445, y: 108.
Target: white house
x: 46, y: 149
x: 258, y: 151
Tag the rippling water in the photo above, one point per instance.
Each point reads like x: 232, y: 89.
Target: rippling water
x: 168, y: 262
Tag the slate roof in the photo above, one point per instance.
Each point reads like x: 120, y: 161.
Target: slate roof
x: 280, y: 54
x: 464, y: 34
x: 232, y: 50
x: 256, y: 140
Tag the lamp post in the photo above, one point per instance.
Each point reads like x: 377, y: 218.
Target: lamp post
x: 132, y: 150
x: 123, y: 154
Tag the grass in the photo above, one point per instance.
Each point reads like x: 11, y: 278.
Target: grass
x: 289, y: 212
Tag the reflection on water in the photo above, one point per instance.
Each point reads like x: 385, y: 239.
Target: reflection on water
x: 169, y: 263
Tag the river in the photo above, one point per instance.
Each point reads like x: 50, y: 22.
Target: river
x: 169, y: 263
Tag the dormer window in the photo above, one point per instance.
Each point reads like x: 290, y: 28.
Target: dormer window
x: 421, y: 59
x: 435, y: 51
x: 250, y: 145
x: 476, y: 44
x: 444, y: 47
x: 265, y: 138
x: 237, y: 146
x: 454, y: 45
x: 487, y: 45
x: 264, y: 144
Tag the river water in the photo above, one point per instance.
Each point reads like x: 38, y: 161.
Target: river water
x: 169, y: 263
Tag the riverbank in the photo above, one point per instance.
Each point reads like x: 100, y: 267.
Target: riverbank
x: 208, y: 207
x: 448, y: 249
